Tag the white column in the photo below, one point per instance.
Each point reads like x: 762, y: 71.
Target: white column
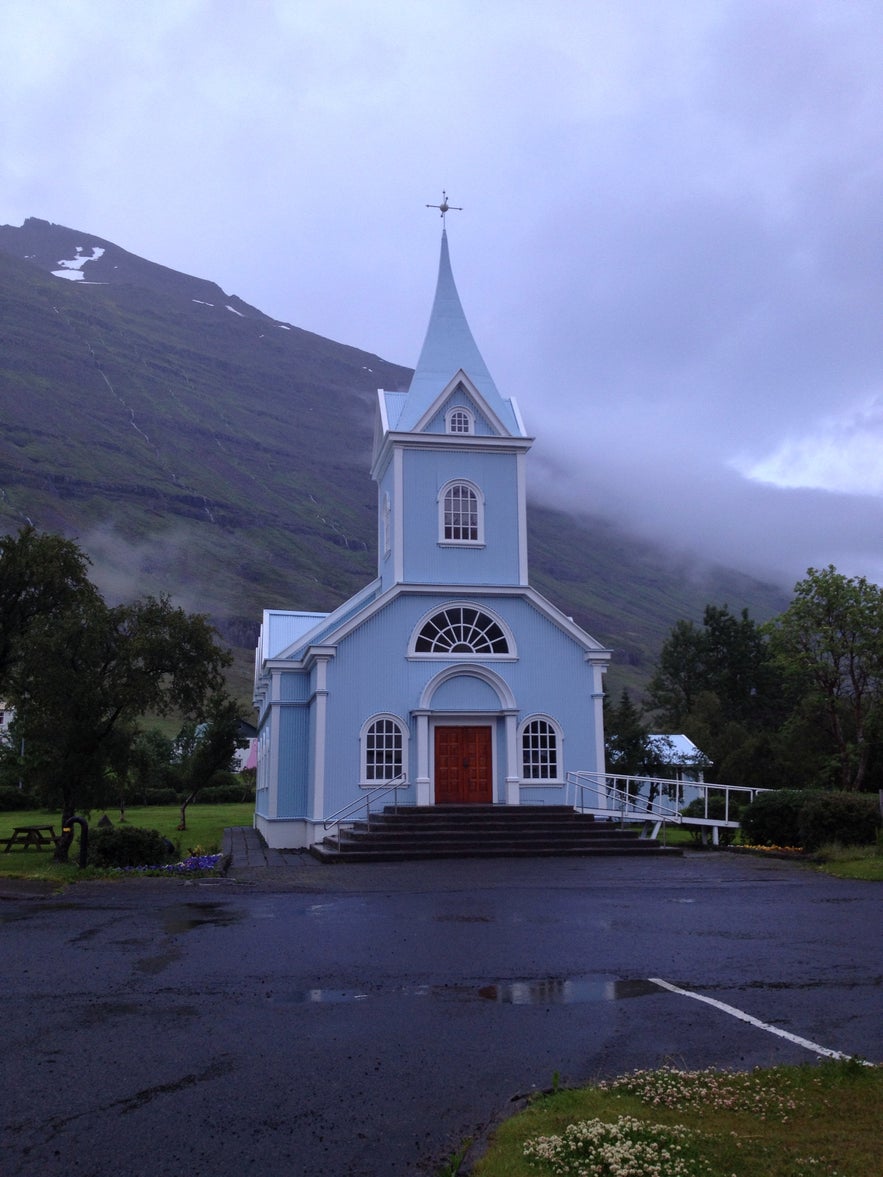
x: 513, y: 766
x: 422, y: 782
x: 274, y: 719
x: 320, y: 712
x: 598, y: 717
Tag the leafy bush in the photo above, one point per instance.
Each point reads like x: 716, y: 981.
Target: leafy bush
x: 15, y: 798
x: 852, y: 819
x: 128, y: 846
x: 773, y: 819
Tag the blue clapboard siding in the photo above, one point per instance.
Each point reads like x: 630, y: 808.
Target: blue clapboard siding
x: 427, y: 561
x: 294, y: 761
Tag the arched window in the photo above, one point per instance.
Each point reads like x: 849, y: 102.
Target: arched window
x: 461, y: 629
x: 383, y: 749
x: 539, y: 750
x: 459, y: 421
x: 461, y: 514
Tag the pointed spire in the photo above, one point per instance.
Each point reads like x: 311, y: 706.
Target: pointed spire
x: 448, y: 347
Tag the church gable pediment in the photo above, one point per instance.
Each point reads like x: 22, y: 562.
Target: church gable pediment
x: 460, y: 414
x: 460, y: 409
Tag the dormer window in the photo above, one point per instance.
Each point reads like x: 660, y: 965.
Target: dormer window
x: 459, y: 421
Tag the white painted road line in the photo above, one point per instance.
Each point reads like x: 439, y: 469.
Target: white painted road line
x: 744, y: 1017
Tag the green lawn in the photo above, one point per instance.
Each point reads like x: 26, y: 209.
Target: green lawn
x: 844, y: 862
x: 817, y: 1119
x: 205, y: 826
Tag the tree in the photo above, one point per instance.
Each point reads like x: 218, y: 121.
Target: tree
x: 829, y: 645
x: 628, y: 748
x: 208, y: 747
x: 80, y: 673
x: 720, y: 683
x: 150, y: 763
x: 738, y: 665
x: 41, y: 576
x: 680, y: 675
x: 729, y: 657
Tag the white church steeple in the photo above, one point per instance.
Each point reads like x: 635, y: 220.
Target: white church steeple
x: 449, y: 463
x: 448, y: 348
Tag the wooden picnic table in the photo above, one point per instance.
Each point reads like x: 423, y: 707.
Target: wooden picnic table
x: 25, y: 836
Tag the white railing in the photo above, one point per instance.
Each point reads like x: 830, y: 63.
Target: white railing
x: 658, y: 800
x: 348, y: 812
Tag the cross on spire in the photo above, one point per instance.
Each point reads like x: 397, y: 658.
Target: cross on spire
x: 444, y: 206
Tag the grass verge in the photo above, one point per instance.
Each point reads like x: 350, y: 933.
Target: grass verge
x: 815, y: 1120
x: 205, y: 827
x: 843, y: 862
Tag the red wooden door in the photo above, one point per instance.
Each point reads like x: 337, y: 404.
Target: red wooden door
x: 463, y: 766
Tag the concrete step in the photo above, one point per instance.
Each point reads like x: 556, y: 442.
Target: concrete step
x: 480, y: 831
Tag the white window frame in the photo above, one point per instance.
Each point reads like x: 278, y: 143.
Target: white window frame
x: 459, y: 412
x: 372, y: 782
x: 448, y: 489
x: 510, y: 655
x: 554, y: 729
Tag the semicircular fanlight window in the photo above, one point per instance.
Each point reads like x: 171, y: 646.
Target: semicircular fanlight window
x: 461, y: 630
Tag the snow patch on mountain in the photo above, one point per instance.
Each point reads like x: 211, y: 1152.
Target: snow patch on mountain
x: 72, y: 268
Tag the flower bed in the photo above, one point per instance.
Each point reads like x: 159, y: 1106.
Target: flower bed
x: 195, y: 864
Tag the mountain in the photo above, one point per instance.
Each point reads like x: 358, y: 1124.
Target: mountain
x: 194, y: 445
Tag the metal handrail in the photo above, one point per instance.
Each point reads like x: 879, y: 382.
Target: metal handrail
x: 391, y: 786
x: 623, y: 797
x: 623, y: 801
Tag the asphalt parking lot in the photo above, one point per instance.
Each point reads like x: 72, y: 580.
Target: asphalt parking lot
x: 364, y: 1020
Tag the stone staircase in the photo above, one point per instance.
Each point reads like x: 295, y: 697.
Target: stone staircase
x: 480, y: 831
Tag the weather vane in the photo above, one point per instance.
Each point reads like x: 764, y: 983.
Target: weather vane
x: 444, y: 206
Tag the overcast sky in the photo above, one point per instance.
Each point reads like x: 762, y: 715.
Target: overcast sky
x: 671, y: 244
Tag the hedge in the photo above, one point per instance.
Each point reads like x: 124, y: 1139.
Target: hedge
x: 810, y: 819
x: 12, y: 797
x: 851, y: 819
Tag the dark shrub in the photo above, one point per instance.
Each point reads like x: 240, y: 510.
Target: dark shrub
x: 13, y: 798
x: 852, y: 819
x: 161, y: 797
x: 225, y: 794
x: 717, y: 808
x: 773, y: 818
x: 128, y: 846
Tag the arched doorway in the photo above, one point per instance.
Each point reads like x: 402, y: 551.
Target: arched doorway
x: 466, y: 739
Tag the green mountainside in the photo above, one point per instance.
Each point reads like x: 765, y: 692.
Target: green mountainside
x: 195, y: 446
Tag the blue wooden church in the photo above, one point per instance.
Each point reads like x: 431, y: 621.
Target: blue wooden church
x: 448, y: 670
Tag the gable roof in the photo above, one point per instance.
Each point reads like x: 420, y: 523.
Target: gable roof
x: 448, y: 347
x: 678, y: 750
x: 357, y: 610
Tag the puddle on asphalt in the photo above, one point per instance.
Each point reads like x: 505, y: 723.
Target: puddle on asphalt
x: 322, y: 996
x: 547, y: 991
x: 184, y: 917
x: 565, y: 991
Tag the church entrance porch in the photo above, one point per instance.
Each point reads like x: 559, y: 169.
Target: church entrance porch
x: 463, y: 765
